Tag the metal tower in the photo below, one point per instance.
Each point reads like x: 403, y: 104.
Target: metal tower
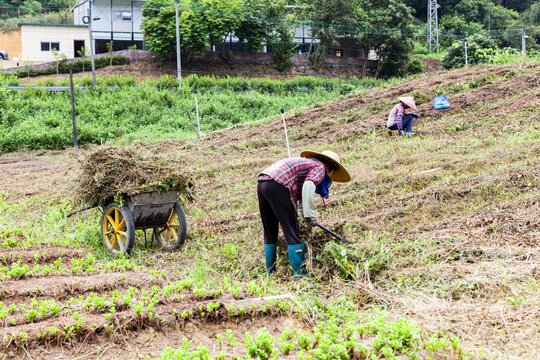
x: 432, y: 26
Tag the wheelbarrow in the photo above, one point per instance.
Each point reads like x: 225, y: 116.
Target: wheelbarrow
x: 148, y: 209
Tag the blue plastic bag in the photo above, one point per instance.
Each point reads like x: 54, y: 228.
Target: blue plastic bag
x: 440, y: 103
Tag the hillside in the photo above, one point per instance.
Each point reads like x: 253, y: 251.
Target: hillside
x: 446, y: 226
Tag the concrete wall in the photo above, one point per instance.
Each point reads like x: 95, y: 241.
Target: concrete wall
x: 11, y: 42
x: 266, y: 58
x: 33, y: 35
x: 134, y: 55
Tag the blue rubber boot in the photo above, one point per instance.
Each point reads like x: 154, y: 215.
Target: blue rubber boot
x: 270, y: 257
x: 297, y: 254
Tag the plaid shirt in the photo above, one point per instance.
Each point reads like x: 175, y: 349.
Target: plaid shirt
x: 293, y: 172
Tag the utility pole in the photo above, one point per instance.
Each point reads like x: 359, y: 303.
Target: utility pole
x: 432, y: 26
x: 285, y: 129
x: 466, y: 60
x: 197, y: 110
x: 523, y: 37
x: 178, y: 58
x: 92, y: 50
x: 75, y: 145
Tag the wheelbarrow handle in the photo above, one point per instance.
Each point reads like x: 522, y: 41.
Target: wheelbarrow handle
x: 81, y: 210
x: 342, y: 239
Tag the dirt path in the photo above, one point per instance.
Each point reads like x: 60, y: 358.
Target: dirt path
x: 31, y: 174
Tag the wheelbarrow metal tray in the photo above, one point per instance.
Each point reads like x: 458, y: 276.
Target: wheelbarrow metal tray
x: 151, y: 209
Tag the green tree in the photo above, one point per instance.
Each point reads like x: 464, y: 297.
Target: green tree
x: 330, y: 20
x: 268, y: 21
x: 253, y: 27
x: 261, y: 20
x: 497, y: 17
x: 222, y: 18
x: 58, y: 58
x: 454, y: 25
x: 110, y: 50
x: 9, y: 9
x: 283, y: 47
x: 479, y: 49
x: 83, y: 53
x: 201, y: 23
x: 159, y: 23
x: 389, y: 35
x: 530, y: 18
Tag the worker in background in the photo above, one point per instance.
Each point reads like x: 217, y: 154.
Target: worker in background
x: 399, y: 119
x: 279, y: 189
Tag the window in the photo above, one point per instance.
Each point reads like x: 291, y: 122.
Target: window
x: 50, y: 46
x: 122, y: 15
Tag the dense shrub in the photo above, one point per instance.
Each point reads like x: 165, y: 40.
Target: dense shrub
x: 77, y: 66
x: 511, y: 55
x: 415, y: 66
x: 479, y: 49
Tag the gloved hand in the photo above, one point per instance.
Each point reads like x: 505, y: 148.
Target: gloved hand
x: 311, y: 221
x: 415, y: 115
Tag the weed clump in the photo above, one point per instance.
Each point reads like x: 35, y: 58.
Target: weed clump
x: 328, y: 257
x: 112, y: 172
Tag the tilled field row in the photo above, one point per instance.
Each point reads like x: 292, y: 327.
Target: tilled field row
x: 62, y: 287
x: 89, y: 325
x: 41, y: 255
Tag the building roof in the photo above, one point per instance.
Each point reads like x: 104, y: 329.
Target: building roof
x: 79, y: 3
x: 62, y: 25
x: 82, y: 2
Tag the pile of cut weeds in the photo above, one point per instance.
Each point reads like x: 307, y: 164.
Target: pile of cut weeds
x: 112, y: 172
x: 327, y: 257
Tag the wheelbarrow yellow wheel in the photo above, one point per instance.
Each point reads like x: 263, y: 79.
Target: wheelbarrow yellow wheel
x: 117, y: 229
x: 174, y: 233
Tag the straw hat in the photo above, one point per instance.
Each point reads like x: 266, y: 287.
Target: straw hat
x: 409, y: 101
x: 341, y: 175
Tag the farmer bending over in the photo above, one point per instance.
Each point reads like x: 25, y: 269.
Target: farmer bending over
x: 280, y: 187
x: 398, y: 119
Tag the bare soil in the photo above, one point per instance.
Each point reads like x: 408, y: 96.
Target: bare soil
x: 154, y: 69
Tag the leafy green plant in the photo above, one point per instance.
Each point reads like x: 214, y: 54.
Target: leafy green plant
x: 17, y: 270
x: 230, y: 337
x: 286, y: 342
x: 261, y: 346
x: 183, y: 352
x: 415, y: 66
x: 110, y: 49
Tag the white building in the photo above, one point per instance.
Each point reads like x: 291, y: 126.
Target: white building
x: 40, y: 42
x: 112, y: 20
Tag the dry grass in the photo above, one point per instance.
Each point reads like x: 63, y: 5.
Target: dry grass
x: 446, y: 214
x: 107, y: 172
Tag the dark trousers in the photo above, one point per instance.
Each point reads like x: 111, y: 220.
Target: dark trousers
x: 406, y: 124
x: 276, y: 208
